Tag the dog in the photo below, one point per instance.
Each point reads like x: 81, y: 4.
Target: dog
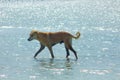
x: 49, y: 39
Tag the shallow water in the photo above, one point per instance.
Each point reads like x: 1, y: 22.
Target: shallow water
x: 98, y: 47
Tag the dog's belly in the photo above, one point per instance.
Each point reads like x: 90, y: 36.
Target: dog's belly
x: 61, y: 42
x: 57, y: 43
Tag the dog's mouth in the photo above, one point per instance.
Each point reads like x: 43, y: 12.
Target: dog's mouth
x: 29, y: 39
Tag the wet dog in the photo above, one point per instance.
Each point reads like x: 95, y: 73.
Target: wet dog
x: 49, y: 39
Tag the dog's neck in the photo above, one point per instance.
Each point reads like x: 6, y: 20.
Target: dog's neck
x: 41, y: 36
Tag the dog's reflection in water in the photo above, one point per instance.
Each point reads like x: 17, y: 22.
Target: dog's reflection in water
x: 54, y: 63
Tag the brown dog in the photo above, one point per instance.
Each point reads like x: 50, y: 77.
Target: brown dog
x: 49, y: 39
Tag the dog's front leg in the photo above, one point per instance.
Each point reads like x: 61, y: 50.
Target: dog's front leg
x: 41, y: 48
x: 51, y: 52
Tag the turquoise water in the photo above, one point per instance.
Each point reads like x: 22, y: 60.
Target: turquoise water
x: 98, y: 48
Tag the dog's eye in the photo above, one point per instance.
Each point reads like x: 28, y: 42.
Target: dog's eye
x: 31, y: 35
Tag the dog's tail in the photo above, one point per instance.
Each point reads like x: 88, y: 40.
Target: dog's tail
x: 77, y: 35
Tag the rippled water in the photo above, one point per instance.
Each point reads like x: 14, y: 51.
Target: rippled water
x: 98, y: 47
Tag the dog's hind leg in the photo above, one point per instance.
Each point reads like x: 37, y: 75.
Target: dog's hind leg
x: 51, y: 52
x: 68, y: 44
x: 71, y: 48
x: 67, y: 52
x: 41, y: 48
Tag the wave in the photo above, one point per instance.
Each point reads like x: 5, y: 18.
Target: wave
x: 33, y: 0
x: 8, y: 27
x: 98, y: 72
x: 112, y: 29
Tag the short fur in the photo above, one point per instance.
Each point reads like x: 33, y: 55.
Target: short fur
x: 49, y: 39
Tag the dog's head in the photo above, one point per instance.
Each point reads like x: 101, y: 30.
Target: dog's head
x: 33, y: 35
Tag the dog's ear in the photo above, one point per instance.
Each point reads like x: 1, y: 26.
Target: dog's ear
x: 34, y: 31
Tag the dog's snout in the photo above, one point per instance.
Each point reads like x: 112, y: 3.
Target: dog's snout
x: 29, y: 39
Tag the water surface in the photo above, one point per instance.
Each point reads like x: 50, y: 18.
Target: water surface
x: 98, y: 47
